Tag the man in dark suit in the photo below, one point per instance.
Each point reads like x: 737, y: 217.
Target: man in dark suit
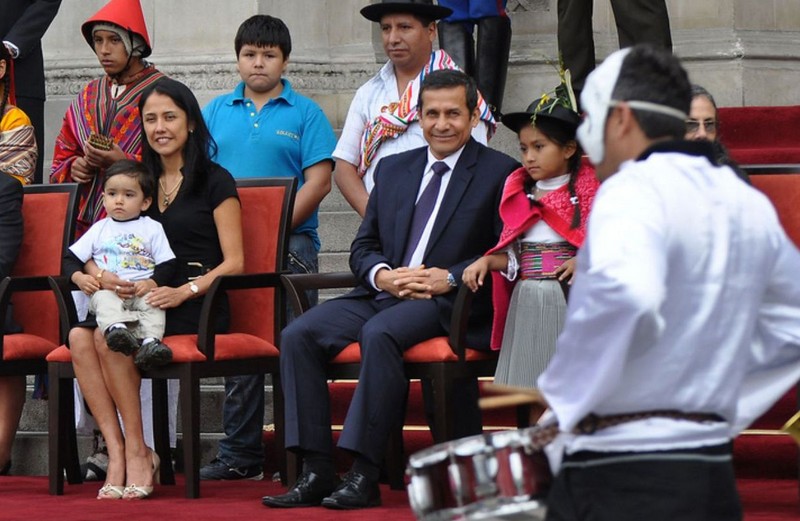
x: 408, y: 258
x: 22, y: 25
x: 12, y: 388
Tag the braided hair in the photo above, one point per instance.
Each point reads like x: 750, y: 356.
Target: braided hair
x: 562, y: 134
x: 6, y: 80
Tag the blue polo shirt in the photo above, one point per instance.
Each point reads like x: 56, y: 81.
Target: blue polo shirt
x: 289, y: 134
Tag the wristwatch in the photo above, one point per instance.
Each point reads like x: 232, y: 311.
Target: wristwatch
x: 451, y: 280
x: 193, y: 288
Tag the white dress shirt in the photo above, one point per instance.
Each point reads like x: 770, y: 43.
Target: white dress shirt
x: 370, y: 99
x: 686, y: 297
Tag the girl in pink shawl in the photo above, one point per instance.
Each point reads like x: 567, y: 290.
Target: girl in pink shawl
x: 544, y: 209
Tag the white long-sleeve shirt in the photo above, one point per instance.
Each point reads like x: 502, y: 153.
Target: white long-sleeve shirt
x: 686, y: 297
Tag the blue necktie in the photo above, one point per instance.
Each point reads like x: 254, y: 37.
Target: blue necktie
x: 424, y: 209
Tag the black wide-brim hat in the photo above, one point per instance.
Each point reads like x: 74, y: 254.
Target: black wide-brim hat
x: 375, y: 12
x: 559, y: 113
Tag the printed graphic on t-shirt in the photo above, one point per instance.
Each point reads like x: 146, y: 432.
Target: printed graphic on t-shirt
x: 126, y: 252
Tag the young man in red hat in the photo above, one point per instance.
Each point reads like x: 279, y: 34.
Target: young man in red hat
x: 101, y: 126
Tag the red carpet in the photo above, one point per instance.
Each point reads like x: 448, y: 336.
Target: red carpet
x: 26, y: 498
x: 760, y: 135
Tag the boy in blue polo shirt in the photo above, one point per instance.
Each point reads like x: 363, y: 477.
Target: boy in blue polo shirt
x: 265, y: 129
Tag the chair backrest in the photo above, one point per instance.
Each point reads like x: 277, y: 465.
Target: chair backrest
x: 267, y: 205
x: 49, y: 213
x: 781, y: 184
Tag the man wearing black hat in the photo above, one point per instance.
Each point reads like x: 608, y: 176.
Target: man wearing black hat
x: 382, y: 119
x: 432, y: 213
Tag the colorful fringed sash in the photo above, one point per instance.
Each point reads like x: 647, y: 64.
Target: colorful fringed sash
x: 395, y: 118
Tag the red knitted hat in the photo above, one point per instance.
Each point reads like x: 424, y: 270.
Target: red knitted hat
x: 124, y: 13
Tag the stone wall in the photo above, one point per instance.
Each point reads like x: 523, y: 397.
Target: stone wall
x: 744, y: 51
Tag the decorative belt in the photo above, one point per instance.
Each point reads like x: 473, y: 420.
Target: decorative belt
x: 592, y: 423
x: 539, y: 260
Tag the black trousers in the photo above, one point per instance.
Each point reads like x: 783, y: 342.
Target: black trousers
x: 385, y: 330
x: 685, y: 485
x: 638, y: 21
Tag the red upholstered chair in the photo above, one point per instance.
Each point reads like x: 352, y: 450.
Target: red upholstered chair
x: 443, y: 360
x: 48, y: 213
x: 781, y: 184
x: 250, y: 347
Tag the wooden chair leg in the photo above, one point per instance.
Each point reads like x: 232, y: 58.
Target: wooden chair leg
x: 278, y: 411
x: 55, y: 440
x: 444, y: 419
x: 161, y: 429
x: 190, y: 418
x: 72, y: 460
x: 62, y: 441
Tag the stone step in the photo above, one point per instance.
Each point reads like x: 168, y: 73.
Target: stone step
x: 29, y: 454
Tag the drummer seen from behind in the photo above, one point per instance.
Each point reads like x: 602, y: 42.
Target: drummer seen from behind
x: 681, y: 326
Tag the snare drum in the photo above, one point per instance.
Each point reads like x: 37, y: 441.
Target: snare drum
x: 496, y: 476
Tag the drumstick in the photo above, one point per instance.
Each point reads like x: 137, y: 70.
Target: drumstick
x: 511, y: 389
x: 509, y: 400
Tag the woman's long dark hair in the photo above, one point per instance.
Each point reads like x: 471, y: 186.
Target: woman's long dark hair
x: 6, y: 81
x: 562, y: 134
x: 200, y: 147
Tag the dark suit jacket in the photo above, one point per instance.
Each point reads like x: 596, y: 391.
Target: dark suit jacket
x: 23, y: 23
x: 10, y: 234
x: 466, y: 227
x: 10, y: 223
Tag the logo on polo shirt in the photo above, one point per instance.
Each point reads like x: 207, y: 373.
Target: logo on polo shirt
x: 290, y: 135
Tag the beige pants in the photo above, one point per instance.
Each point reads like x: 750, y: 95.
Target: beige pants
x: 143, y: 320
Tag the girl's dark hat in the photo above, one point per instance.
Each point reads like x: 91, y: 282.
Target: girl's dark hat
x: 516, y: 120
x: 375, y: 12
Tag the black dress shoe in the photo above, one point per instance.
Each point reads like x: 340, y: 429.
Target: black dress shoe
x: 309, y: 491
x: 6, y: 469
x: 356, y: 491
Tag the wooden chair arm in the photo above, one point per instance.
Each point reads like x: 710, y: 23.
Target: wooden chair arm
x: 206, y: 333
x: 459, y: 322
x: 11, y: 285
x: 297, y: 284
x: 67, y: 314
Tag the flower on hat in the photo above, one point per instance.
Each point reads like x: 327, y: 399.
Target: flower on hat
x: 562, y: 95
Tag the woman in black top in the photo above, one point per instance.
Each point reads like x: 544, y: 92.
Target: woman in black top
x: 199, y: 209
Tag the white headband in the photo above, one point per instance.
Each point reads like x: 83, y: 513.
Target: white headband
x: 596, y: 100
x: 649, y: 106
